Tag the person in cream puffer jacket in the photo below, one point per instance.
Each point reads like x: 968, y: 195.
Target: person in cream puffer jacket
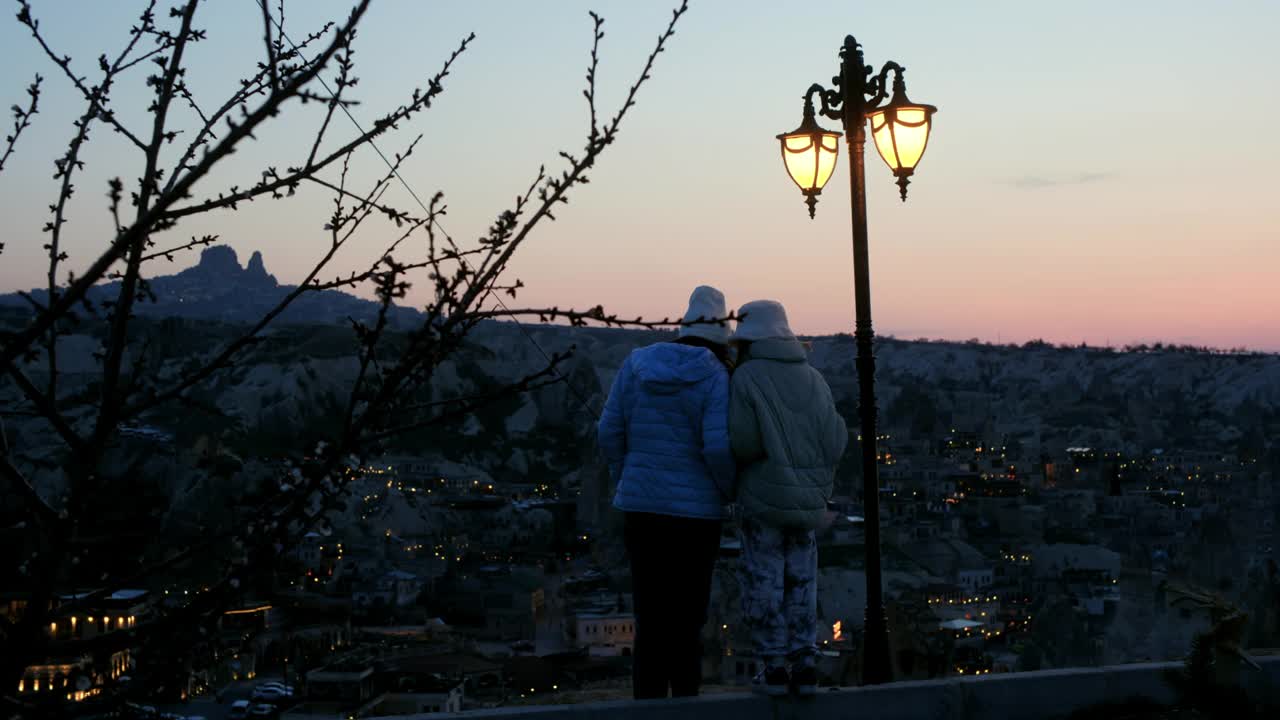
x: 787, y: 439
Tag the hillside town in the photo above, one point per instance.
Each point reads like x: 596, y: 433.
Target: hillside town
x: 446, y: 589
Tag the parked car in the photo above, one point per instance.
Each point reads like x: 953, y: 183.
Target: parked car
x: 239, y: 710
x: 271, y: 694
x: 263, y: 710
x: 272, y: 686
x: 276, y: 684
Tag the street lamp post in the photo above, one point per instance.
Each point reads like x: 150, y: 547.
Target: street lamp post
x: 900, y: 129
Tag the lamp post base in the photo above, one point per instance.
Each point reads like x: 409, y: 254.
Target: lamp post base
x: 875, y: 648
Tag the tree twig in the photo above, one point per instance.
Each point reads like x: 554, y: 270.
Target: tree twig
x: 22, y: 120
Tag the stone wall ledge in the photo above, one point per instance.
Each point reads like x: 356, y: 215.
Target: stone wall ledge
x: 1042, y: 695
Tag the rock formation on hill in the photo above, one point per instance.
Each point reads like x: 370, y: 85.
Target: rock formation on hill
x: 218, y: 288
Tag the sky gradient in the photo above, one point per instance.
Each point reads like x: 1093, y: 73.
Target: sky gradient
x: 1099, y: 171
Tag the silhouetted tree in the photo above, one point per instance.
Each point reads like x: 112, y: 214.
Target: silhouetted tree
x: 61, y: 540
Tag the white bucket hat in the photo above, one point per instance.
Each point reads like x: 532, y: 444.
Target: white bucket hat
x: 707, y: 303
x: 761, y: 320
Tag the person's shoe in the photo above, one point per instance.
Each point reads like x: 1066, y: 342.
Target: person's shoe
x: 771, y: 682
x: 804, y: 679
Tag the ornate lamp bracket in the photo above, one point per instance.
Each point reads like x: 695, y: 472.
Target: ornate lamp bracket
x: 878, y: 88
x: 830, y: 101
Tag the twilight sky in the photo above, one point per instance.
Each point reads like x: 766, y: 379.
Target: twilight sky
x: 1100, y: 171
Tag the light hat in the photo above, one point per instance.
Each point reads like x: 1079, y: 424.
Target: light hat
x: 707, y: 303
x: 762, y: 320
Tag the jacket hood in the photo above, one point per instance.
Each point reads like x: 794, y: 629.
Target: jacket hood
x: 777, y: 349
x: 667, y: 367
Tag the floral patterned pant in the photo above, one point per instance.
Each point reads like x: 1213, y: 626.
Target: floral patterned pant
x: 780, y: 591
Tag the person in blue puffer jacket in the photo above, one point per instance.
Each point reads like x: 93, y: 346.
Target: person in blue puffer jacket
x: 665, y: 435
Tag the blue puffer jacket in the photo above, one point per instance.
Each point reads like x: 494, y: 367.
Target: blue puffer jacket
x: 665, y: 433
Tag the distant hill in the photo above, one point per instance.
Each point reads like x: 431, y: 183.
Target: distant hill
x: 294, y: 382
x: 218, y: 288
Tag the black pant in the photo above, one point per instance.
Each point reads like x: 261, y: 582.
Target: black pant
x: 672, y: 560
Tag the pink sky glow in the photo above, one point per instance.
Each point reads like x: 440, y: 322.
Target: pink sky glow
x: 1099, y: 172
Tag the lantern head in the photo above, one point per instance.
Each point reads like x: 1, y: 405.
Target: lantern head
x: 809, y: 153
x: 901, y: 131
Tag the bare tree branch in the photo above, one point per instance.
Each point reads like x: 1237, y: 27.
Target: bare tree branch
x: 47, y: 408
x: 590, y: 93
x: 108, y: 413
x: 555, y: 190
x: 294, y: 176
x: 97, y: 96
x: 65, y: 168
x: 271, y: 47
x: 525, y: 384
x: 350, y: 223
x: 170, y: 252
x: 249, y: 89
x: 44, y: 512
x: 597, y: 314
x: 21, y: 120
x: 396, y: 216
x: 156, y: 216
x: 393, y: 367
